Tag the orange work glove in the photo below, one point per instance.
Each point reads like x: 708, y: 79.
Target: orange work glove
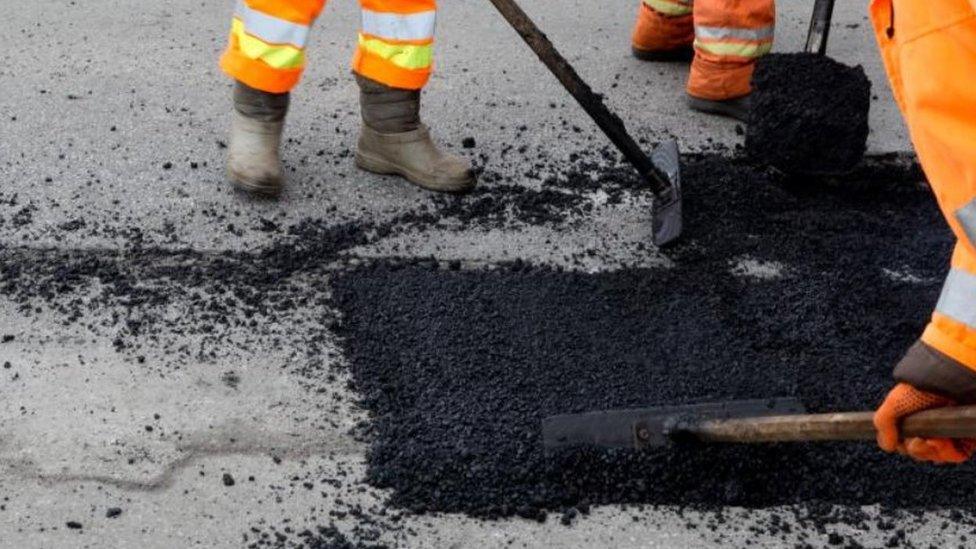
x: 905, y: 400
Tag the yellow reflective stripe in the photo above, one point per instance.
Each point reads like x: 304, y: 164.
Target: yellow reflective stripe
x: 275, y: 56
x: 670, y: 7
x: 406, y: 56
x: 737, y: 49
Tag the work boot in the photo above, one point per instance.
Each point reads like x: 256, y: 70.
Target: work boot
x: 255, y: 136
x: 659, y: 37
x: 393, y: 141
x: 680, y: 54
x: 737, y: 107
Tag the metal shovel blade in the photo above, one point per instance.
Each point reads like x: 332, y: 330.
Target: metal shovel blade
x: 666, y: 215
x: 639, y: 428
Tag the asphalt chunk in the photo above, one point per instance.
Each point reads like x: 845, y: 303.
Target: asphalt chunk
x: 459, y: 367
x: 809, y: 113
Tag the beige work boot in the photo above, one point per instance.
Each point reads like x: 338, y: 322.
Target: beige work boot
x: 393, y: 141
x: 253, y: 164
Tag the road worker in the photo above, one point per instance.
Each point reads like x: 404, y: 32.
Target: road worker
x: 929, y: 52
x: 724, y: 38
x: 266, y: 57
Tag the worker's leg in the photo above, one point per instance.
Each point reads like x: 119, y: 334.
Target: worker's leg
x: 663, y: 31
x: 266, y: 56
x: 392, y: 63
x: 396, y: 42
x: 937, y: 62
x: 953, y: 327
x: 729, y: 36
x: 267, y: 42
x: 929, y: 54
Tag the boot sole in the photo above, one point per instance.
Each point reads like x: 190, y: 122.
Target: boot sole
x: 242, y: 183
x: 718, y: 107
x: 675, y: 55
x: 380, y: 166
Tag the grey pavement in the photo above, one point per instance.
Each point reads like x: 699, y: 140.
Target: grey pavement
x: 112, y: 92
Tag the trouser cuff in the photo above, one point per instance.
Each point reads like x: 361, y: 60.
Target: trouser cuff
x: 925, y: 368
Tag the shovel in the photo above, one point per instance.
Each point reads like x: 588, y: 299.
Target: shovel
x: 823, y: 12
x: 743, y: 422
x: 661, y: 171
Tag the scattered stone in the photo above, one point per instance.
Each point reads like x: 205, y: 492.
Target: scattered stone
x: 231, y: 379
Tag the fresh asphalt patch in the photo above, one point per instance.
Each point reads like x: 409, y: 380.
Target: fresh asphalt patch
x: 781, y: 287
x: 459, y: 367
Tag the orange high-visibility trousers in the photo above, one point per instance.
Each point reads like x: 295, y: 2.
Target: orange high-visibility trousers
x: 728, y: 37
x: 929, y: 52
x: 267, y: 42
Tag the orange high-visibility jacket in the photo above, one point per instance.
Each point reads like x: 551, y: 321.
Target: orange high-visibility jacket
x: 268, y: 37
x: 929, y: 52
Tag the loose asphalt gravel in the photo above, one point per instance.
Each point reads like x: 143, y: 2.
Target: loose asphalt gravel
x: 780, y: 288
x: 460, y: 366
x: 809, y: 113
x: 364, y: 365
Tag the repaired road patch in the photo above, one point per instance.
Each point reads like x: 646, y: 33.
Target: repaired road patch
x: 458, y: 367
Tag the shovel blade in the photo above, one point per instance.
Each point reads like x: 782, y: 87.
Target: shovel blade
x: 666, y: 215
x: 639, y: 428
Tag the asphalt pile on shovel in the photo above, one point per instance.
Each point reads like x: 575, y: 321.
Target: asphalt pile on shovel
x: 809, y: 114
x: 776, y: 291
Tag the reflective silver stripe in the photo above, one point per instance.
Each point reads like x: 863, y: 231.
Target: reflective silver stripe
x: 271, y: 29
x: 725, y: 33
x: 414, y: 26
x: 967, y: 218
x: 958, y: 300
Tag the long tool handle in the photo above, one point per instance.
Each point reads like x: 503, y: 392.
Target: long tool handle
x: 952, y: 422
x: 823, y: 11
x: 608, y: 122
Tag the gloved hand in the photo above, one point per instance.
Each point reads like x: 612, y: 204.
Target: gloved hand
x: 905, y: 400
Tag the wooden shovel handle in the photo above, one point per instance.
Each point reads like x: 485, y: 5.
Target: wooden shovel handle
x: 951, y: 422
x: 607, y: 121
x: 823, y: 11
